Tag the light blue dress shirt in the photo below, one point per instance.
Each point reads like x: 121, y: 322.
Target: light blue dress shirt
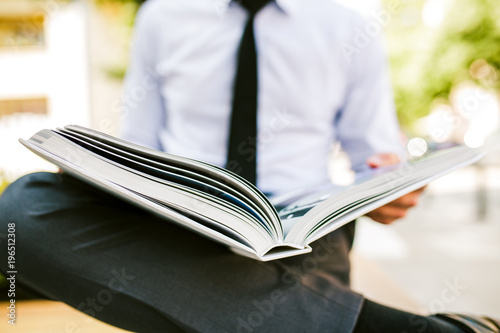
x: 317, y: 84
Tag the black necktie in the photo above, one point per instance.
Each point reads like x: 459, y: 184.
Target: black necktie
x: 242, y: 147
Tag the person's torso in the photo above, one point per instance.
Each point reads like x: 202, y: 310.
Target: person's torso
x: 302, y: 78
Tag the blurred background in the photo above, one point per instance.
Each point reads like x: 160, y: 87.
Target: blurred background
x: 63, y: 62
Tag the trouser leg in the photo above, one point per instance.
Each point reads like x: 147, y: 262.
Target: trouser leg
x: 139, y: 272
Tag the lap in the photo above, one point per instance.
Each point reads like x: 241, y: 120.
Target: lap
x: 133, y: 269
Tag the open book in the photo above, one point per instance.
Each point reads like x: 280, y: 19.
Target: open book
x: 221, y: 205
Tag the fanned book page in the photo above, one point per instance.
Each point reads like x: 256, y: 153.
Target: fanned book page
x: 221, y: 205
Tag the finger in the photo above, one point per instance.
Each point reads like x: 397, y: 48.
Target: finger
x: 380, y: 218
x: 382, y: 159
x: 387, y: 214
x: 420, y: 190
x: 406, y: 201
x: 394, y: 212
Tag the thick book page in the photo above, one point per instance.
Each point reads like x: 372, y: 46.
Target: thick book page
x: 238, y: 183
x: 168, y: 200
x: 206, y: 230
x: 190, y: 182
x: 320, y: 214
x: 170, y: 172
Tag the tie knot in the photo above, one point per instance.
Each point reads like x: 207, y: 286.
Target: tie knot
x: 253, y: 6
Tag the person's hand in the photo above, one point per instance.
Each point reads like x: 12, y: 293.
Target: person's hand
x: 399, y: 207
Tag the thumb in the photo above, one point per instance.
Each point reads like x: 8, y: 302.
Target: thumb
x: 382, y: 159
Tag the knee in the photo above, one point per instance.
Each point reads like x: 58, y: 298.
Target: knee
x: 21, y: 194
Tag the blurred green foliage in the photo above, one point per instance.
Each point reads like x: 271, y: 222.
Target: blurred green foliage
x: 138, y: 2
x: 117, y: 71
x: 121, y: 11
x: 428, y: 61
x: 121, y: 14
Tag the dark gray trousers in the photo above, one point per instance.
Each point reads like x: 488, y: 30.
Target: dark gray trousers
x: 115, y: 262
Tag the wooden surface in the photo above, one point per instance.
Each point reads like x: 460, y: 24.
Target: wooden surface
x: 51, y: 317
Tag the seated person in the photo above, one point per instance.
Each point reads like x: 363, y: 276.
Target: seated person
x: 192, y: 89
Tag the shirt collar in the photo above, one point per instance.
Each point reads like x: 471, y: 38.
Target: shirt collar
x: 287, y: 6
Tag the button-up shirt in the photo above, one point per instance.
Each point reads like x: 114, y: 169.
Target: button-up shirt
x: 322, y: 78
